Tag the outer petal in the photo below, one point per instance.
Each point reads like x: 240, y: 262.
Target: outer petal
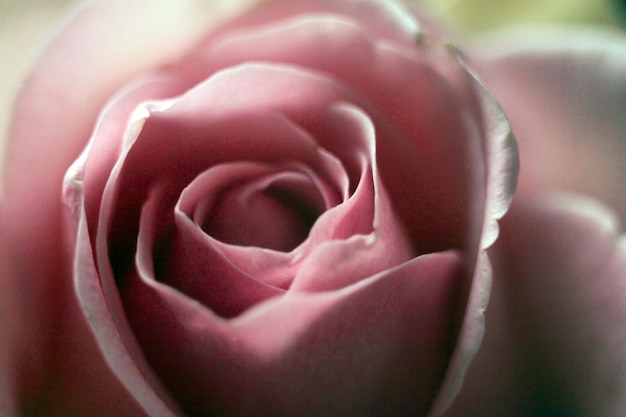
x: 555, y: 337
x: 386, y: 19
x: 501, y: 179
x: 128, y: 365
x: 564, y: 91
x: 100, y: 48
x: 21, y: 26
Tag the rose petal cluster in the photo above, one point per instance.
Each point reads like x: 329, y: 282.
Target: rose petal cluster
x: 283, y: 222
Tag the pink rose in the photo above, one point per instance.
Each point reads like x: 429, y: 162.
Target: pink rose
x: 290, y: 210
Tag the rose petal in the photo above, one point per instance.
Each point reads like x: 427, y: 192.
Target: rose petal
x: 141, y: 171
x: 382, y: 343
x: 113, y: 338
x: 115, y: 252
x: 502, y: 166
x: 82, y: 383
x: 555, y: 333
x: 86, y: 178
x: 60, y: 101
x: 390, y: 20
x: 565, y: 92
x: 275, y: 212
x: 366, y: 212
x: 385, y: 244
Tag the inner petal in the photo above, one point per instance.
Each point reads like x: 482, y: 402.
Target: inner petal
x: 275, y: 212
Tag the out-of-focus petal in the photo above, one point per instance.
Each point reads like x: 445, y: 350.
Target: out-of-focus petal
x: 386, y: 19
x: 555, y: 337
x: 564, y: 91
x: 21, y: 28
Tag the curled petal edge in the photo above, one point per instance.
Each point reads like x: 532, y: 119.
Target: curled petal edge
x: 502, y: 163
x: 136, y: 378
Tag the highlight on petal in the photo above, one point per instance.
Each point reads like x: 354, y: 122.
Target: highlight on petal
x: 502, y: 166
x: 117, y: 123
x: 116, y: 345
x: 386, y: 19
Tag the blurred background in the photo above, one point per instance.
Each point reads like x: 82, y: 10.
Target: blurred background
x: 25, y: 24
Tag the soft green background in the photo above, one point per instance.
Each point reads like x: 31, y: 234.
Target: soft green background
x: 478, y: 15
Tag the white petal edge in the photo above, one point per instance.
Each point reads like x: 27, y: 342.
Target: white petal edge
x: 154, y: 400
x: 501, y: 178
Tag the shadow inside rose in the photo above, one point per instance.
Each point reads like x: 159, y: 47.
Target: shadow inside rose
x: 274, y: 212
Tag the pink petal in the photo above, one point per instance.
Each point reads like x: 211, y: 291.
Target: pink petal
x: 87, y: 177
x: 555, y: 334
x: 383, y: 342
x: 363, y: 253
x: 228, y: 282
x: 58, y: 106
x: 113, y: 339
x: 565, y: 93
x: 274, y: 212
x: 76, y: 381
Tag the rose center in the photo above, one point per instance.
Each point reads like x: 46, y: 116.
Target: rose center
x: 275, y: 214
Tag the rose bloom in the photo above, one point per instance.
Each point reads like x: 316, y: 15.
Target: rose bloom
x: 294, y: 208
